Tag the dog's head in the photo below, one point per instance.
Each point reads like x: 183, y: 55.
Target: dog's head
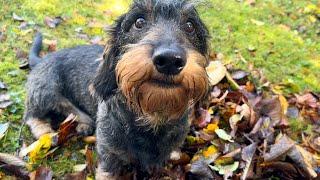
x: 156, y: 57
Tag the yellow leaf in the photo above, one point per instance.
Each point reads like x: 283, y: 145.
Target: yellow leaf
x: 41, y: 147
x: 284, y: 104
x: 210, y: 151
x: 210, y: 129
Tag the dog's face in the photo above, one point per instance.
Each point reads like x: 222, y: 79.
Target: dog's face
x: 157, y: 58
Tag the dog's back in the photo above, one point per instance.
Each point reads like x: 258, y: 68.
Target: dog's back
x: 58, y: 83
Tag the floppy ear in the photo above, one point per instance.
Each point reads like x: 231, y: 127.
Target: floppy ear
x: 104, y: 84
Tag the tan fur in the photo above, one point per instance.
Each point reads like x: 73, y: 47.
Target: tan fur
x: 39, y: 127
x: 139, y: 82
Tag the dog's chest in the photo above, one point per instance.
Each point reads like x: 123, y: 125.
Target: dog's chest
x: 139, y: 143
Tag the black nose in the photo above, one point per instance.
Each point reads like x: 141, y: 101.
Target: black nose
x: 169, y: 60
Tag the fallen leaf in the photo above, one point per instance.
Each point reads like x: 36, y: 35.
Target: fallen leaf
x: 201, y: 169
x: 293, y: 112
x: 226, y: 169
x: 280, y: 148
x: 204, y: 118
x: 82, y: 175
x: 3, y: 129
x: 234, y: 119
x: 270, y: 107
x: 210, y: 129
x: 307, y: 99
x: 67, y: 129
x: 5, y: 101
x: 303, y: 159
x: 52, y: 22
x: 223, y: 135
x: 79, y: 167
x: 42, y: 173
x: 239, y: 75
x: 89, y: 159
x: 288, y: 171
x: 247, y: 155
x: 52, y: 44
x: 41, y: 147
x: 12, y: 160
x: 16, y: 17
x: 216, y: 72
x: 3, y: 86
x: 16, y: 171
x: 210, y: 151
x: 216, y: 92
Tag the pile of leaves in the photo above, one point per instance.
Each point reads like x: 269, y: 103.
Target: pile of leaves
x: 240, y: 131
x: 243, y: 131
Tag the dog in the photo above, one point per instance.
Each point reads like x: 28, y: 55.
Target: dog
x: 137, y: 96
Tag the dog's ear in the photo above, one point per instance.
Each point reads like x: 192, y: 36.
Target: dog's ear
x: 104, y: 84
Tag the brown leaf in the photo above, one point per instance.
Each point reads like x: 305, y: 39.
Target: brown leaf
x: 67, y: 129
x: 89, y: 160
x: 52, y: 22
x: 19, y: 172
x: 52, y: 44
x: 307, y: 99
x: 284, y: 169
x: 280, y: 148
x: 270, y: 107
x: 247, y: 155
x: 303, y: 159
x: 82, y: 175
x: 42, y: 173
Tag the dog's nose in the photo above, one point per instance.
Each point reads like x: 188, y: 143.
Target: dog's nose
x: 169, y: 60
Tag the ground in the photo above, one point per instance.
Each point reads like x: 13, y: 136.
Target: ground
x: 279, y: 37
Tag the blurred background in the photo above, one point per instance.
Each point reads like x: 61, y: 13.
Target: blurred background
x: 278, y: 38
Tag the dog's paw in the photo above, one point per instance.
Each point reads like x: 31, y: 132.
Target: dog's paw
x: 85, y: 129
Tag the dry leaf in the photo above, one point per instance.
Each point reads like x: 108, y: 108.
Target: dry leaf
x: 223, y: 135
x: 216, y: 72
x: 3, y: 129
x: 5, y: 101
x: 303, y: 159
x: 42, y: 173
x: 280, y: 148
x: 247, y: 155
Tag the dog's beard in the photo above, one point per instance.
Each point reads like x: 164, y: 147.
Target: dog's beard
x: 155, y: 97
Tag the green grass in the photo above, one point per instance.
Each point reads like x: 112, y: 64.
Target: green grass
x: 283, y: 34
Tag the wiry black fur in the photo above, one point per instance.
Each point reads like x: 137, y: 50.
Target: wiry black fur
x: 63, y: 76
x: 66, y: 75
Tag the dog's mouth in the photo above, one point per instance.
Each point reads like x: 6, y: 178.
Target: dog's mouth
x: 167, y: 83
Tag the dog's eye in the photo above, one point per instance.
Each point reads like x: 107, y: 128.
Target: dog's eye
x: 189, y: 27
x: 140, y: 23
